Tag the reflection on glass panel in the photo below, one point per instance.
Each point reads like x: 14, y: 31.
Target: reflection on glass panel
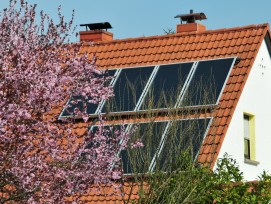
x: 166, y: 86
x: 184, y: 136
x: 84, y: 104
x: 207, y: 82
x: 110, y: 132
x: 128, y: 89
x: 139, y: 159
x: 81, y: 104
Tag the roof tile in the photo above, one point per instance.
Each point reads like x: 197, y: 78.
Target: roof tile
x: 207, y: 53
x: 216, y: 44
x: 213, y: 38
x: 208, y: 38
x: 236, y: 35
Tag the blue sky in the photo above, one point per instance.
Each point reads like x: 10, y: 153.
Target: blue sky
x: 134, y: 18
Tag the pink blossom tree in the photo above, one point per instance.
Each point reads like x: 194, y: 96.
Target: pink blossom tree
x: 41, y: 160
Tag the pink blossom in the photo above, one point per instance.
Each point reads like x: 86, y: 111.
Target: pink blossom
x: 38, y: 72
x: 116, y: 175
x: 137, y: 144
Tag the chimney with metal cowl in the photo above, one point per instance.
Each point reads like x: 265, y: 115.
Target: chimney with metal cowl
x: 191, y: 24
x: 96, y: 32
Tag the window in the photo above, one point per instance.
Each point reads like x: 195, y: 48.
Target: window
x: 249, y: 137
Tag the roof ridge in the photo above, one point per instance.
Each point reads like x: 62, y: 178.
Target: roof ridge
x: 252, y: 26
x: 238, y: 28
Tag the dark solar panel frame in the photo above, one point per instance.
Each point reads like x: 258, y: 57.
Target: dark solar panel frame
x: 129, y: 126
x: 161, y: 144
x: 205, y: 133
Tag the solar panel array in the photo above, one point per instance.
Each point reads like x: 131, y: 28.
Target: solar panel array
x: 169, y: 86
x: 163, y: 140
x: 177, y: 85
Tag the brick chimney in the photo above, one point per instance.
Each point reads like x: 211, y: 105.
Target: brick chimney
x: 191, y: 24
x: 96, y: 32
x: 95, y: 36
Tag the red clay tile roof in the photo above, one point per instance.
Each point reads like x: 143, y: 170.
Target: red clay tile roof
x: 112, y: 195
x: 178, y: 47
x: 242, y: 42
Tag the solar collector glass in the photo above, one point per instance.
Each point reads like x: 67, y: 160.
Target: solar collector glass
x: 128, y: 89
x: 183, y: 136
x: 166, y: 86
x: 207, y: 82
x: 139, y: 159
x: 82, y: 103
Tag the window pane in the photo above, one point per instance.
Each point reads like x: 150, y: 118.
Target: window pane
x: 128, y: 89
x: 207, y: 82
x: 246, y: 127
x: 247, y: 148
x: 166, y: 86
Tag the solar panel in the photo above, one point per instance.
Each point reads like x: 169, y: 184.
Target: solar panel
x: 128, y: 89
x: 109, y: 131
x: 167, y: 86
x: 207, y: 82
x: 139, y: 159
x: 150, y: 135
x: 82, y: 103
x: 79, y: 102
x: 182, y: 136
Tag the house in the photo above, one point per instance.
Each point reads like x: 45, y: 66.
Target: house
x: 235, y: 117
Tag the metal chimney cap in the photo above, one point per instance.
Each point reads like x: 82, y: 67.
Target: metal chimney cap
x: 192, y: 17
x: 97, y: 26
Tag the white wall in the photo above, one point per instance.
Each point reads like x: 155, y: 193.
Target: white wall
x: 255, y: 99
